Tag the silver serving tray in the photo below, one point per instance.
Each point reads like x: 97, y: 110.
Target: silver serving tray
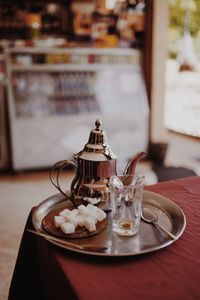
x: 149, y: 238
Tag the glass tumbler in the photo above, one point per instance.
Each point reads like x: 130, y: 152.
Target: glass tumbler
x: 126, y: 194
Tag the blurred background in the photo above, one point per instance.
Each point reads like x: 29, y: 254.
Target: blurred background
x: 64, y: 63
x: 134, y: 64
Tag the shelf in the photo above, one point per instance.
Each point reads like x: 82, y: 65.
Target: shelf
x: 114, y: 58
x: 72, y: 67
x: 74, y: 51
x: 71, y: 96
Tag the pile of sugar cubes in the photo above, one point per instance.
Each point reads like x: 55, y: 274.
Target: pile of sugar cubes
x: 88, y: 216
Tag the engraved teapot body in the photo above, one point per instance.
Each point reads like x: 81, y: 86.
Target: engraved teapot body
x: 95, y: 164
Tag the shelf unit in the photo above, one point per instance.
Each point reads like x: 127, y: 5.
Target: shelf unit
x: 53, y: 106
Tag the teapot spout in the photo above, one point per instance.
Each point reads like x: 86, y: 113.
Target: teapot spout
x: 131, y: 166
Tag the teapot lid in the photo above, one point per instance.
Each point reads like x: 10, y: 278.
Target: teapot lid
x: 97, y: 148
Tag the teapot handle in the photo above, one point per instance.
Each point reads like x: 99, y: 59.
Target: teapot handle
x: 60, y: 165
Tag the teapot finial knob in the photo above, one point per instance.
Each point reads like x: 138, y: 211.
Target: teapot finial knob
x: 98, y: 124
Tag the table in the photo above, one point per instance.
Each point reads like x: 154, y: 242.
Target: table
x: 44, y: 271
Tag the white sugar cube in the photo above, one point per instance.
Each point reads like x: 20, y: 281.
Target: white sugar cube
x: 80, y: 220
x: 90, y: 224
x: 83, y: 210
x: 58, y: 220
x: 68, y: 228
x: 92, y: 207
x: 72, y: 219
x: 74, y: 212
x: 101, y: 215
x: 93, y: 215
x: 64, y: 212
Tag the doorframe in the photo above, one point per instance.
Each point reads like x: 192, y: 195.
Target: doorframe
x: 155, y: 54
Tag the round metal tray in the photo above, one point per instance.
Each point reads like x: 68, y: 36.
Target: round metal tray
x: 149, y: 238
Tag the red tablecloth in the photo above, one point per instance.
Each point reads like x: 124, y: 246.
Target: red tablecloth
x: 44, y: 271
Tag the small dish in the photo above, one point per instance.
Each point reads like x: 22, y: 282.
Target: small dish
x: 80, y: 232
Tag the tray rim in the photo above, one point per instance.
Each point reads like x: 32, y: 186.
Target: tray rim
x: 60, y: 199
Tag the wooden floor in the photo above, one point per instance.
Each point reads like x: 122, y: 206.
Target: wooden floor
x: 24, y: 176
x: 31, y: 175
x: 18, y: 194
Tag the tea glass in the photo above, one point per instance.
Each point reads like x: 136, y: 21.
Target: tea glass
x: 126, y: 194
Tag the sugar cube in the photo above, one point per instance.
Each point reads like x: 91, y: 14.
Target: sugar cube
x: 72, y: 219
x: 68, y: 228
x: 101, y: 215
x: 74, y: 212
x: 90, y: 224
x: 92, y: 207
x: 80, y: 220
x: 58, y: 220
x: 93, y: 215
x: 83, y: 210
x: 64, y: 212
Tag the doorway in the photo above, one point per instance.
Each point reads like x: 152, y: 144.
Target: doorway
x: 182, y: 95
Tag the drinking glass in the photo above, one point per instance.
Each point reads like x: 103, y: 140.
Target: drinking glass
x: 126, y: 194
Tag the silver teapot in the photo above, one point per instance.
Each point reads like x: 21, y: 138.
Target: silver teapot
x: 95, y: 164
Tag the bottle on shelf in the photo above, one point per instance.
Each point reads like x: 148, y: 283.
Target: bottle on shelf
x: 103, y: 31
x: 44, y: 94
x: 33, y: 25
x: 51, y: 21
x: 136, y: 17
